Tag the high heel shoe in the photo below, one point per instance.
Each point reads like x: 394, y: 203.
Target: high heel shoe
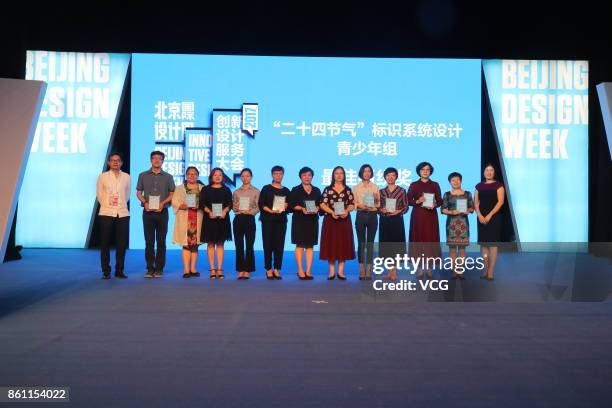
x: 341, y: 277
x: 302, y: 277
x: 212, y: 274
x: 220, y: 275
x: 269, y: 277
x: 331, y: 277
x: 276, y: 275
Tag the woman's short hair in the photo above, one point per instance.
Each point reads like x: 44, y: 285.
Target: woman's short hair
x: 362, y: 169
x: 455, y: 174
x: 390, y: 170
x: 305, y: 170
x: 423, y: 164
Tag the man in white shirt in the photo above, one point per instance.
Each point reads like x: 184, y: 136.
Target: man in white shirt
x: 113, y: 193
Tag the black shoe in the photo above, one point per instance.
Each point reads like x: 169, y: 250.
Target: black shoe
x: 106, y: 276
x: 341, y: 277
x: 186, y: 275
x: 331, y: 277
x: 309, y: 277
x: 269, y: 277
x: 194, y: 274
x: 120, y: 275
x: 302, y: 277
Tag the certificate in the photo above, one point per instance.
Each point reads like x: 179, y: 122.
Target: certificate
x: 279, y: 203
x: 368, y: 200
x: 310, y: 206
x: 154, y: 202
x: 462, y: 205
x: 217, y: 209
x: 244, y: 204
x: 391, y: 204
x: 339, y: 207
x: 429, y: 200
x: 190, y: 200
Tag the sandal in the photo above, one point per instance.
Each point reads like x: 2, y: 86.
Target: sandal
x: 212, y: 274
x: 220, y: 275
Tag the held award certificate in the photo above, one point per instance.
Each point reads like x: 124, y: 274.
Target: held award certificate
x: 429, y: 200
x: 391, y: 204
x: 339, y: 207
x: 190, y: 200
x: 279, y: 203
x: 310, y: 206
x: 217, y: 209
x: 154, y: 202
x: 245, y: 203
x: 462, y: 205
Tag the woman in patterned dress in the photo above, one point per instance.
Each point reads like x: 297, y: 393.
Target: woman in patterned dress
x: 337, y: 243
x: 392, y: 233
x: 188, y: 221
x: 457, y: 225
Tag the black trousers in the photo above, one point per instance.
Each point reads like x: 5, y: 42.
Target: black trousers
x: 120, y: 227
x: 155, y: 230
x: 273, y: 235
x: 366, y: 225
x: 244, y: 236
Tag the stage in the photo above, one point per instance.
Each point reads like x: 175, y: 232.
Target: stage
x: 184, y: 342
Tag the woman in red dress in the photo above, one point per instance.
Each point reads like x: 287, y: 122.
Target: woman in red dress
x: 337, y: 233
x: 424, y: 227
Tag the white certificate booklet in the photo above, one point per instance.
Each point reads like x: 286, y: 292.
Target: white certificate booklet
x: 154, y: 202
x: 429, y: 200
x: 245, y: 203
x: 391, y: 204
x: 190, y: 200
x: 339, y: 207
x: 279, y: 203
x: 462, y: 205
x: 368, y: 200
x: 217, y: 209
x: 310, y: 205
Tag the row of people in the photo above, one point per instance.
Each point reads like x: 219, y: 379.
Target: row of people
x: 202, y: 216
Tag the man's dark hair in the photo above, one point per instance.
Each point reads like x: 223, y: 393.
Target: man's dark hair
x: 158, y: 153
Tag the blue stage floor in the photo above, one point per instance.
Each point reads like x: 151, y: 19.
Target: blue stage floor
x: 176, y: 342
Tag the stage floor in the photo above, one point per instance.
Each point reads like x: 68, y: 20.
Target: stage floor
x: 516, y: 341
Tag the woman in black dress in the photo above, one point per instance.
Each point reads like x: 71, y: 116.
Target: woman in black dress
x: 488, y: 201
x: 305, y: 223
x: 274, y: 221
x: 216, y: 201
x: 392, y: 234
